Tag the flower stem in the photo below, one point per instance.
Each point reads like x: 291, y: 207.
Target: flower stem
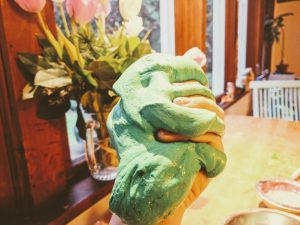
x: 103, y: 23
x: 41, y: 22
x: 146, y: 35
x: 74, y: 27
x: 49, y: 35
x: 74, y: 34
x: 63, y: 16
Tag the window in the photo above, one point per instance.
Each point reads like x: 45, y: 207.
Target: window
x: 223, y: 64
x: 150, y: 13
x: 215, y: 44
x: 157, y: 15
x: 209, y: 40
x: 242, y: 38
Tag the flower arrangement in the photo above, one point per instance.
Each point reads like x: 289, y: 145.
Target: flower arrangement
x: 82, y: 61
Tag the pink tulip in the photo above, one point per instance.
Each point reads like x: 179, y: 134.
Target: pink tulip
x: 103, y: 8
x: 33, y: 6
x: 82, y: 11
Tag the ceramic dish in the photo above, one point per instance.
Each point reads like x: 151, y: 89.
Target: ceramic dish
x: 262, y: 217
x: 280, y: 194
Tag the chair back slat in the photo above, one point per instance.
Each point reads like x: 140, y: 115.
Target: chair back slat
x: 276, y: 99
x: 297, y: 105
x: 260, y: 101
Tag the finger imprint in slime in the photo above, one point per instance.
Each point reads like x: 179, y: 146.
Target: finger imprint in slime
x: 209, y: 138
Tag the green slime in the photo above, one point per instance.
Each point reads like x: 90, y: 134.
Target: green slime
x: 155, y: 177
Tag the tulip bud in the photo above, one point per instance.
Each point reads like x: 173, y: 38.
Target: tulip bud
x: 134, y: 26
x: 33, y: 6
x: 197, y: 55
x: 129, y: 8
x: 103, y: 8
x: 82, y: 11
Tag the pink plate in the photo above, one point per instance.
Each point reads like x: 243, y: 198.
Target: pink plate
x: 280, y: 194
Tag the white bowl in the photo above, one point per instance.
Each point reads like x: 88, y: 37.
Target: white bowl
x: 284, y: 190
x: 262, y: 217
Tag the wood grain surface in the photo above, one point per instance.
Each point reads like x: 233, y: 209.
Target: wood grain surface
x: 256, y: 149
x: 231, y: 35
x: 255, y: 32
x: 190, y: 25
x: 44, y: 143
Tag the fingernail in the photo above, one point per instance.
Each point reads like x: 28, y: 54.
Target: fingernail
x: 181, y: 101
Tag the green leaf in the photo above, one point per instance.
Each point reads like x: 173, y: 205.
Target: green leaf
x: 50, y: 54
x: 66, y: 58
x: 104, y: 73
x: 143, y: 49
x: 107, y: 63
x: 122, y: 48
x: 286, y: 14
x: 132, y: 43
x: 43, y: 42
x: 127, y: 63
x: 268, y: 22
x: 91, y: 80
x: 86, y: 74
x: 52, y: 78
x: 112, y: 52
x: 29, y: 62
x: 43, y: 63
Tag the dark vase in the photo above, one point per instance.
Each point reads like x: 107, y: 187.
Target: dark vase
x: 52, y: 106
x: 282, y: 68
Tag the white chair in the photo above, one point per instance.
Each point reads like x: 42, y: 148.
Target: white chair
x: 276, y: 99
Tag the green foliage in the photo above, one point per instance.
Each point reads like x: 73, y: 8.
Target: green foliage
x: 90, y: 63
x: 111, y: 54
x: 273, y: 26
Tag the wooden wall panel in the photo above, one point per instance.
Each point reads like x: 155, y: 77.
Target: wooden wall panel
x: 44, y: 143
x: 14, y: 187
x: 255, y: 32
x: 6, y: 184
x: 7, y: 195
x: 190, y: 24
x: 231, y: 28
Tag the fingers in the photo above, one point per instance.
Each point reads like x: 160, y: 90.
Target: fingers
x: 212, y: 139
x: 201, y: 103
x: 197, y: 101
x: 210, y: 154
x: 115, y: 220
x: 209, y: 138
x: 186, y: 121
x: 166, y: 136
x: 200, y: 183
x: 191, y: 88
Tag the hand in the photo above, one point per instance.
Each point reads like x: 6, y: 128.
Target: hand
x: 152, y: 172
x: 201, y: 180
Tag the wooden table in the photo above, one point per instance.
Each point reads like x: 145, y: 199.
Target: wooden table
x: 256, y: 149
